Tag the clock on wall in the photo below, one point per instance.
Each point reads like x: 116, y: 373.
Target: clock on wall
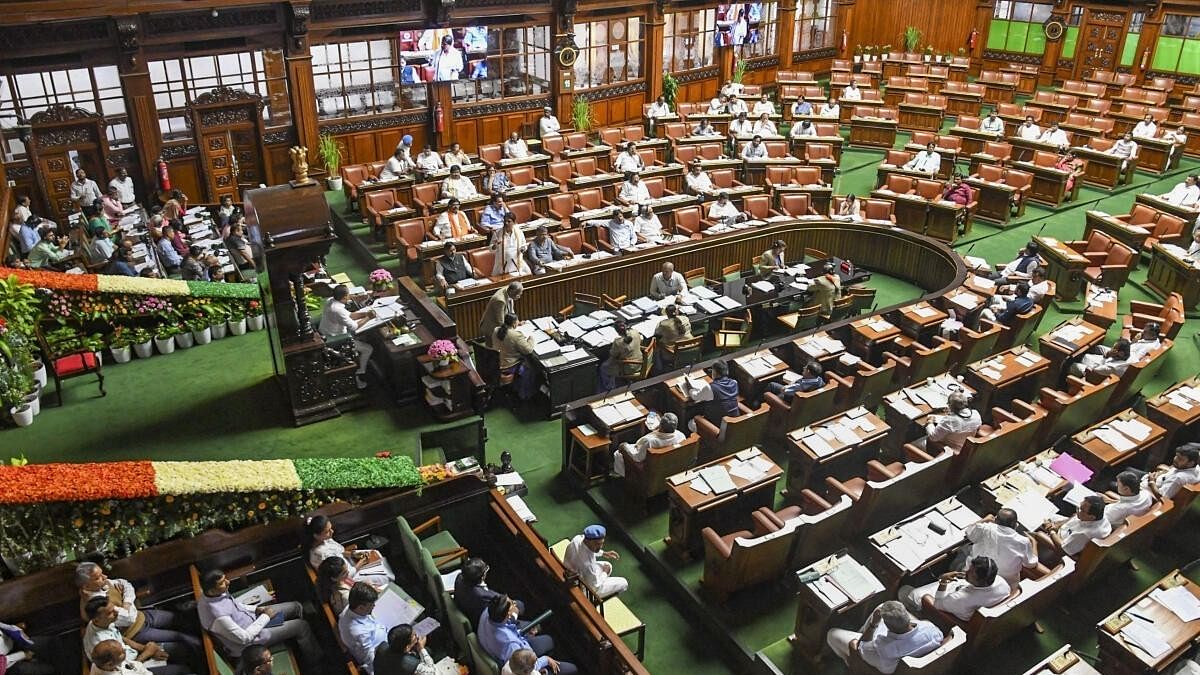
x: 565, y: 52
x: 1054, y: 29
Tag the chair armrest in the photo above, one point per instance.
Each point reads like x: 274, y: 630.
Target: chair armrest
x: 839, y: 488
x: 1147, y: 308
x: 1096, y: 257
x: 434, y: 522
x: 775, y: 402
x: 1023, y: 407
x: 808, y: 498
x: 876, y: 471
x: 1000, y: 415
x: 714, y: 540
x: 588, y: 247
x: 842, y: 381
x: 915, y: 454
x: 706, y: 429
x: 762, y: 524
x: 900, y: 360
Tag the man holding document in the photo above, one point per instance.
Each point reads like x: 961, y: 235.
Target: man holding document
x: 336, y: 321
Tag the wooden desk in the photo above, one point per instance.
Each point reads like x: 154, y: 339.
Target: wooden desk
x: 402, y: 185
x: 1020, y: 369
x: 1102, y: 168
x: 1064, y: 267
x: 809, y: 462
x: 973, y: 140
x: 1098, y: 454
x: 1049, y: 185
x: 994, y: 200
x: 1063, y: 653
x: 1101, y: 309
x: 1187, y: 213
x: 820, y: 347
x: 1060, y: 344
x: 690, y: 510
x: 1177, y: 408
x: 1154, y: 155
x: 627, y: 428
x: 677, y: 401
x: 908, y: 548
x: 1118, y: 657
x: 869, y: 336
x: 1171, y: 271
x: 567, y: 381
x: 1023, y: 148
x: 819, y: 609
x: 911, y: 211
x: 920, y: 320
x: 1021, y: 477
x: 752, y: 379
x: 980, y: 285
x: 907, y: 409
x: 944, y: 218
x: 920, y: 117
x: 873, y: 132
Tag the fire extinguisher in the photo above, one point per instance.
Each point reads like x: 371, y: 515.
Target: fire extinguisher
x: 164, y: 177
x: 439, y: 118
x: 973, y: 38
x: 1145, y: 58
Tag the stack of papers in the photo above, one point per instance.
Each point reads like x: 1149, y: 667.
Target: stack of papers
x: 703, y: 292
x: 1028, y: 359
x: 983, y: 282
x: 1143, y: 635
x: 854, y: 580
x: 1185, y: 397
x: 727, y: 302
x: 1133, y: 429
x: 924, y: 311
x: 763, y: 286
x: 1032, y: 509
x: 1072, y: 332
x: 1180, y: 601
x: 756, y: 367
x: 1117, y: 440
x: 717, y: 478
x: 1071, y: 469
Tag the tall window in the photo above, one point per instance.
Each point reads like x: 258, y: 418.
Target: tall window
x: 688, y: 40
x: 503, y: 62
x: 760, y: 31
x: 177, y: 82
x: 96, y: 89
x: 1178, y: 46
x: 610, y: 51
x: 814, y: 25
x: 360, y: 78
x: 1072, y: 36
x: 1129, y: 50
x: 1017, y: 27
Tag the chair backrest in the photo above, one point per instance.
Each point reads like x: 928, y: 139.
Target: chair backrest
x: 922, y: 481
x: 998, y: 149
x: 411, y: 231
x: 611, y: 136
x: 991, y: 172
x: 648, y: 155
x: 710, y: 150
x: 523, y: 210
x: 685, y: 154
x: 758, y: 206
x: 521, y: 175
x: 751, y: 560
x: 922, y: 138
x: 588, y: 199
x: 779, y: 175
x: 975, y: 345
x: 380, y: 200
x: 577, y: 140
x: 808, y: 407
x: 827, y: 129
x: 374, y: 168
x: 572, y: 239
x: 688, y: 219
x: 491, y: 153
x: 1076, y: 408
x: 426, y: 193
x: 655, y: 186
x: 1018, y: 179
x: 1043, y: 158
x: 554, y: 145
x: 675, y: 129
x: 560, y: 205
x: 794, y: 204
x: 927, y: 362
x: 649, y: 477
x: 633, y: 132
x: 722, y: 178
x: 483, y: 662
x: 984, y: 455
x: 584, y: 166
x: 951, y: 143
x: 807, y: 175
x: 900, y: 184
x: 968, y: 121
x: 559, y: 171
x: 929, y: 189
x: 878, y: 209
x: 355, y: 173
x: 1126, y: 541
x: 776, y: 149
x: 744, y: 430
x: 897, y: 157
x: 482, y: 259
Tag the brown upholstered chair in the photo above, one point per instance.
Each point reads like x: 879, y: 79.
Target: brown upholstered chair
x: 897, y: 487
x: 994, y: 447
x: 648, y: 478
x: 561, y: 206
x: 482, y: 260
x: 742, y: 559
x: 573, y: 239
x: 879, y: 209
x: 805, y: 407
x: 1169, y: 316
x: 425, y: 195
x: 795, y: 204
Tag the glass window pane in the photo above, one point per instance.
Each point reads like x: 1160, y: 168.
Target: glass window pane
x: 1175, y: 24
x: 1022, y: 11
x: 1194, y: 27
x: 1040, y: 13
x: 1003, y: 9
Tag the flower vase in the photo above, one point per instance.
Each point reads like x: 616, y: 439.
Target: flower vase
x: 444, y: 363
x: 203, y: 336
x: 22, y: 415
x: 858, y: 58
x: 237, y: 327
x: 184, y: 340
x: 255, y: 322
x: 34, y: 400
x: 381, y: 286
x: 121, y: 354
x: 144, y: 350
x: 218, y: 330
x: 165, y: 345
x: 38, y: 370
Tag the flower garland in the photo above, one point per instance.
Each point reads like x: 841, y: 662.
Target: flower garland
x: 109, y: 283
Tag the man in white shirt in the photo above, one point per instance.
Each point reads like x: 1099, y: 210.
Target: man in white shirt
x: 830, y: 109
x: 852, y: 93
x: 659, y: 108
x: 731, y: 89
x: 992, y: 124
x: 429, y: 161
x: 705, y: 128
x: 84, y: 190
x: 1165, y: 483
x: 763, y: 126
x: 666, y: 435
x: 110, y: 656
x: 1193, y: 251
x: 719, y: 105
x: 736, y: 106
x: 667, y: 282
x: 802, y: 128
x: 397, y: 165
x: 238, y: 625
x: 447, y: 61
x: 582, y: 557
x: 1178, y: 140
x: 1147, y: 128
x: 755, y: 149
x: 359, y: 630
x: 628, y: 160
x: 622, y: 235
x: 1125, y: 148
x: 741, y: 126
x: 143, y: 625
x: 723, y: 210
x: 123, y: 184
x: 457, y: 186
x: 1054, y: 136
x: 763, y: 105
x: 927, y: 161
x: 516, y: 147
x: 1028, y: 130
x: 1145, y: 342
x: 649, y: 227
x: 887, y: 637
x: 961, y: 593
x: 1039, y: 286
x: 1131, y: 499
x: 1021, y: 267
x: 996, y: 537
x: 1086, y: 525
x: 697, y: 180
x: 1186, y: 193
x: 337, y: 320
x: 633, y: 190
x: 548, y: 124
x: 455, y: 156
x: 953, y: 429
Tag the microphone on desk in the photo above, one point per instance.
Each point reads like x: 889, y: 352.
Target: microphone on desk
x: 1039, y: 232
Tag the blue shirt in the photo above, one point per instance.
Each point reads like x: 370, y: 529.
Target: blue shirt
x: 1013, y: 308
x: 361, y: 635
x: 803, y: 108
x: 502, y: 639
x: 803, y: 384
x: 492, y: 218
x: 29, y: 238
x: 500, y: 183
x: 168, y: 253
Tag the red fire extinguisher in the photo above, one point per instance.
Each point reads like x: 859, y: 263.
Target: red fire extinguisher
x: 973, y: 38
x: 439, y: 118
x: 164, y: 177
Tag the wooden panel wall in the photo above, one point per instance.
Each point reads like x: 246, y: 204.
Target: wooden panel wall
x: 475, y: 131
x: 618, y: 109
x: 945, y: 23
x: 374, y: 145
x: 700, y: 90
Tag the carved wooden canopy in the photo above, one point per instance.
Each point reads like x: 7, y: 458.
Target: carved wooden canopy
x: 227, y: 95
x: 63, y: 113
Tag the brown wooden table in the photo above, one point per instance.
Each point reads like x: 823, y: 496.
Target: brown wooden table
x: 994, y: 200
x: 1101, y: 309
x: 1014, y: 375
x: 751, y: 385
x: 690, y: 510
x: 1064, y: 654
x: 1064, y: 267
x: 807, y: 466
x: 892, y: 570
x: 1119, y: 657
x: 1055, y: 345
x: 906, y: 411
x: 1171, y: 271
x: 813, y: 348
x: 1021, y: 477
x: 1174, y: 410
x: 1098, y: 454
x: 869, y: 336
x: 677, y: 401
x: 816, y: 613
x: 920, y: 321
x: 873, y: 132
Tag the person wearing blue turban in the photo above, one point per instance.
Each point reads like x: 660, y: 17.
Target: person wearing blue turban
x: 586, y: 556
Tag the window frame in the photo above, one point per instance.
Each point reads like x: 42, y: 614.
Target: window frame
x: 19, y: 107
x: 587, y: 52
x: 700, y: 28
x: 806, y: 24
x: 1182, y: 46
x: 1020, y: 14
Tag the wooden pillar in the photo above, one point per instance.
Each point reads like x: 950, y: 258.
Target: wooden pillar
x: 1151, y: 28
x: 441, y: 94
x: 726, y: 58
x: 301, y: 94
x: 1048, y: 71
x: 785, y: 32
x: 562, y: 79
x: 653, y: 59
x: 139, y: 107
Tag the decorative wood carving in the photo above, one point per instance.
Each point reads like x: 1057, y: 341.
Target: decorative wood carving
x: 614, y: 92
x: 170, y: 152
x: 1011, y: 57
x: 329, y: 10
x: 127, y: 29
x: 222, y: 95
x: 373, y: 123
x: 64, y: 113
x: 16, y: 38
x: 282, y: 137
x: 18, y: 172
x: 490, y: 109
x: 125, y: 158
x: 216, y: 118
x: 697, y: 75
x: 189, y: 22
x: 298, y: 26
x: 760, y: 63
x: 826, y: 53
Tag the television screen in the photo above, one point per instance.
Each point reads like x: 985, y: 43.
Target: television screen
x: 739, y: 24
x: 444, y: 54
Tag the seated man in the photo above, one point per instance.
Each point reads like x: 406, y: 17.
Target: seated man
x: 622, y: 235
x: 773, y: 258
x: 659, y: 108
x: 649, y: 227
x: 741, y: 126
x: 102, y: 617
x: 957, y: 191
x: 633, y: 190
x: 830, y: 109
x: 1131, y: 499
x: 705, y: 128
x: 1166, y: 482
x: 548, y: 124
x: 471, y: 592
x: 1103, y: 361
x: 723, y: 211
x: 664, y: 436
x: 1141, y: 344
x: 455, y: 156
x: 811, y: 379
x: 238, y: 625
x: 1038, y: 288
x: 763, y: 126
x: 522, y: 662
x: 429, y: 161
x: 141, y: 625
x: 542, y: 249
x: 927, y: 161
x: 397, y: 165
x: 1021, y: 267
x: 1019, y: 304
x: 452, y: 267
x: 627, y: 347
x: 492, y: 216
x: 457, y: 186
x: 358, y: 629
x: 961, y: 593
x: 667, y: 282
x: 1125, y: 148
x: 582, y: 556
x: 1054, y: 136
x: 256, y: 660
x: 500, y: 636
x: 755, y: 149
x: 1186, y: 193
x: 850, y: 93
x: 452, y: 223
x: 628, y: 161
x: 996, y: 538
x: 802, y: 108
x: 337, y: 320
x: 51, y: 252
x: 515, y: 147
x: 720, y: 397
x: 110, y: 656
x: 992, y: 124
x: 1088, y: 524
x: 763, y: 106
x: 1028, y: 130
x: 888, y: 636
x: 1147, y: 128
x: 954, y: 428
x: 404, y: 652
x: 698, y: 181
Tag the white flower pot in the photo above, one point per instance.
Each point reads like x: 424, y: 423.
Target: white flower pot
x: 238, y: 327
x: 184, y: 341
x: 165, y: 345
x: 858, y: 58
x: 38, y: 370
x: 927, y: 58
x: 144, y: 350
x: 23, y: 415
x: 218, y: 330
x: 255, y: 322
x: 121, y: 354
x: 334, y: 183
x: 34, y: 399
x: 202, y: 337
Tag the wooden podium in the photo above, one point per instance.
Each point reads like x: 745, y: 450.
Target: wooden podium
x: 1171, y: 271
x: 1064, y: 267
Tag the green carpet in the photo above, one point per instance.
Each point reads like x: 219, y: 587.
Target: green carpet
x: 220, y: 401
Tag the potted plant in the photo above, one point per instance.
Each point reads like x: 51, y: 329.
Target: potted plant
x: 164, y: 338
x: 19, y: 304
x: 739, y: 71
x: 331, y: 156
x: 884, y: 52
x: 381, y: 280
x: 237, y: 319
x: 928, y: 53
x: 183, y: 336
x: 870, y: 53
x: 254, y: 315
x: 18, y: 349
x: 912, y: 38
x: 14, y: 387
x: 858, y: 53
x: 670, y: 89
x: 443, y: 352
x: 120, y: 345
x: 218, y: 316
x: 198, y: 326
x: 142, y: 342
x: 581, y: 115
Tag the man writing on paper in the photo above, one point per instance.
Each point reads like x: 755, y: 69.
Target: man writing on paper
x: 336, y: 321
x: 664, y: 436
x: 582, y: 558
x: 996, y: 537
x: 953, y: 429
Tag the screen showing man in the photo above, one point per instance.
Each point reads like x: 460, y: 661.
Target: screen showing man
x: 738, y: 24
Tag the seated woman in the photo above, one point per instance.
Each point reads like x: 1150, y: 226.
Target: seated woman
x: 368, y: 566
x: 1067, y: 161
x: 335, y: 578
x: 514, y: 347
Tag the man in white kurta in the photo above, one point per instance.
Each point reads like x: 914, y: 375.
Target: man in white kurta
x: 583, y: 557
x: 1186, y: 193
x: 447, y: 61
x: 664, y: 436
x: 509, y: 245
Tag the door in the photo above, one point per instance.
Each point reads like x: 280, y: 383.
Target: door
x: 61, y: 140
x: 1100, y: 41
x: 229, y: 124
